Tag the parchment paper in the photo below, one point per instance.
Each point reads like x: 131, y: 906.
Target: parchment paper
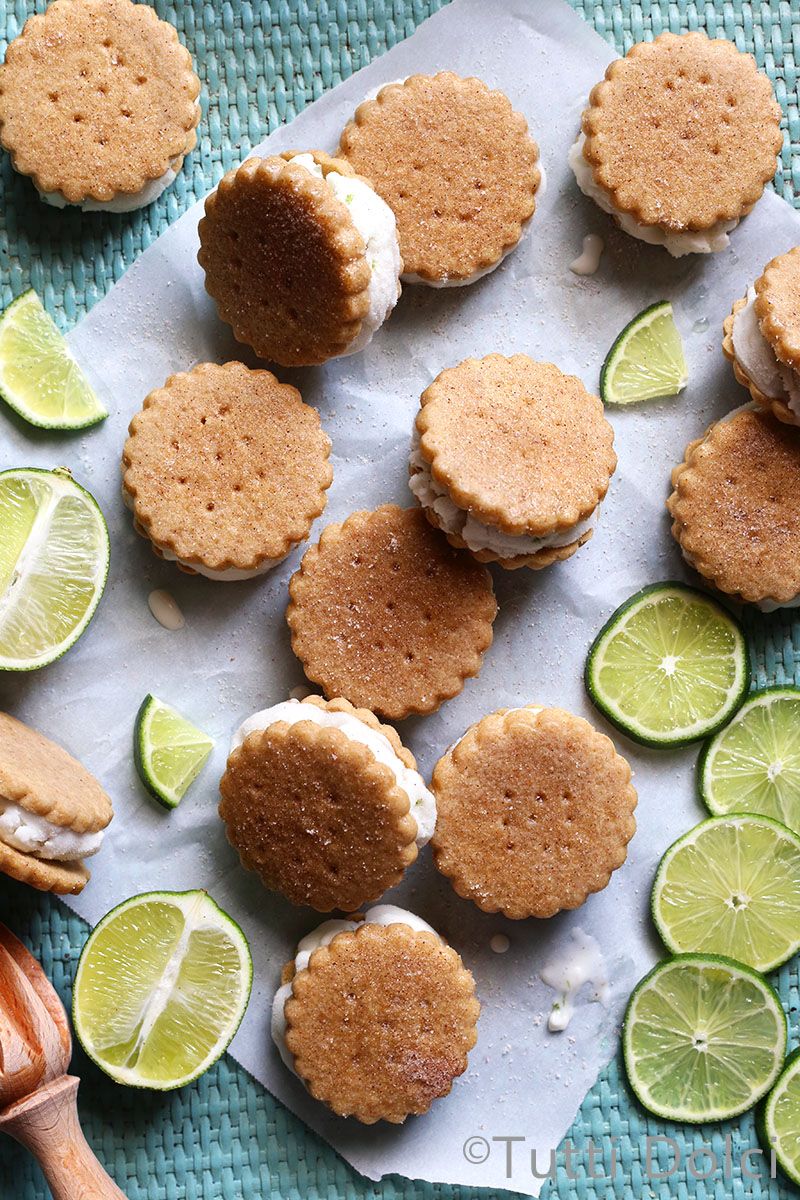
x: 233, y: 656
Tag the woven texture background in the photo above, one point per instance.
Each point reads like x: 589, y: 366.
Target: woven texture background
x: 225, y: 1138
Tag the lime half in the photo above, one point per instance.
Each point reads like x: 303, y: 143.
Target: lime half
x: 703, y: 1038
x: 646, y: 361
x: 53, y: 565
x: 39, y: 378
x: 780, y: 1120
x: 731, y: 886
x: 753, y: 765
x: 669, y: 667
x: 169, y: 751
x: 162, y: 985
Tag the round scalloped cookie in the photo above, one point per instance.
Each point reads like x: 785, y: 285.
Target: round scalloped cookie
x: 697, y: 104
x: 457, y: 166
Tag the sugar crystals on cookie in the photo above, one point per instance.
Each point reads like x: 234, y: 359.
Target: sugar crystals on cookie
x: 511, y: 459
x: 457, y: 166
x: 678, y: 141
x: 324, y: 803
x: 376, y: 1015
x: 385, y: 613
x: 53, y: 813
x: 225, y: 470
x: 735, y: 508
x: 301, y: 257
x: 535, y: 812
x: 98, y: 104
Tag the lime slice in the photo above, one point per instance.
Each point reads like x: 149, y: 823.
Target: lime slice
x: 703, y: 1038
x: 753, y: 765
x: 646, y: 361
x: 39, y: 378
x: 162, y: 985
x: 53, y: 565
x: 169, y: 751
x: 731, y: 886
x: 669, y: 667
x: 779, y: 1124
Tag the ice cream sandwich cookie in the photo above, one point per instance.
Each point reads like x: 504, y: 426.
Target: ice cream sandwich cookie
x: 98, y: 104
x: 386, y: 614
x: 678, y: 141
x: 376, y: 1015
x: 535, y: 811
x: 736, y: 508
x: 511, y: 459
x: 301, y: 257
x: 456, y: 165
x: 324, y: 802
x: 53, y: 813
x: 225, y: 470
x: 761, y: 337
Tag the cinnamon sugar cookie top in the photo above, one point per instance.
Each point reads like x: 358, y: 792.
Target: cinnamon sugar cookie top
x: 519, y: 444
x: 778, y: 306
x: 285, y: 261
x: 226, y: 467
x: 97, y: 98
x: 381, y: 1021
x: 736, y: 507
x: 41, y: 777
x: 455, y: 163
x: 535, y: 812
x: 384, y: 612
x: 683, y: 132
x: 314, y: 812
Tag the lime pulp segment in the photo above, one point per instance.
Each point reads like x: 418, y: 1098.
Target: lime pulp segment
x: 39, y: 378
x: 669, y: 667
x: 731, y: 886
x: 703, y: 1038
x: 646, y: 361
x: 54, y: 555
x: 753, y: 765
x: 162, y: 985
x: 780, y: 1123
x: 169, y: 751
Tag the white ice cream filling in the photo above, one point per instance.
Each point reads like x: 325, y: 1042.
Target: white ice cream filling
x: 231, y: 573
x: 122, y: 202
x: 690, y: 241
x: 758, y: 360
x: 474, y: 534
x: 376, y: 223
x: 381, y: 914
x: 422, y: 804
x: 34, y: 835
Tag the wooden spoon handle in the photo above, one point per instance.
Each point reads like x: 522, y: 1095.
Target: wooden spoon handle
x: 47, y: 1124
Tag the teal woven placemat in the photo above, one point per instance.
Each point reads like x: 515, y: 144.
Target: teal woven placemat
x: 225, y: 1138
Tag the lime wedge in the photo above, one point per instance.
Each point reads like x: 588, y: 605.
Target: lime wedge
x: 646, y: 361
x: 779, y: 1124
x: 669, y: 667
x: 703, y: 1038
x: 169, y: 751
x: 753, y: 765
x: 731, y: 886
x: 53, y: 565
x: 39, y: 378
x: 162, y: 985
